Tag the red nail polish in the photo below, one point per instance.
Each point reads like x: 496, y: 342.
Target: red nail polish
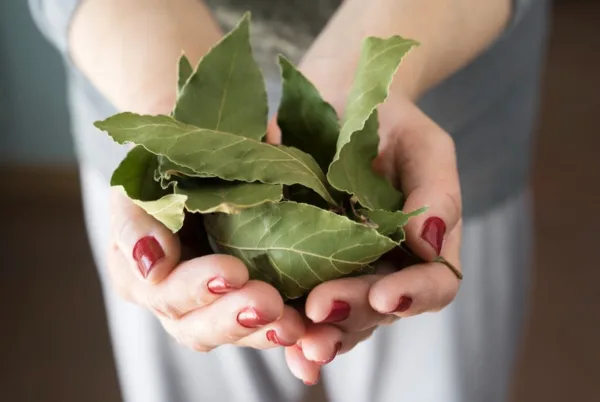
x: 340, y: 310
x: 147, y: 252
x: 433, y: 233
x: 403, y: 304
x: 336, y: 350
x: 272, y: 337
x: 219, y: 286
x: 250, y: 318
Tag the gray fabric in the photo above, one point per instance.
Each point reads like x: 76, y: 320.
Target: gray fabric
x: 489, y: 107
x: 465, y: 353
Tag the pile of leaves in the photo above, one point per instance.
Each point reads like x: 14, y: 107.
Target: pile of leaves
x: 298, y: 214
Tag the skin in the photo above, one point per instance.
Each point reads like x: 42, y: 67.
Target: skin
x: 138, y: 42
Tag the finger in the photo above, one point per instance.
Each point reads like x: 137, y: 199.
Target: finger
x: 344, y: 303
x: 419, y: 288
x: 150, y: 249
x: 424, y: 158
x: 273, y: 132
x: 230, y: 318
x: 194, y: 284
x: 322, y: 343
x: 302, y: 368
x: 286, y: 331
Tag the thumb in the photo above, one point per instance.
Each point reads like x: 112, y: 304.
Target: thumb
x: 424, y: 159
x: 151, y: 250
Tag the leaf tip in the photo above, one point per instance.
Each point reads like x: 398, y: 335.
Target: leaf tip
x: 244, y: 22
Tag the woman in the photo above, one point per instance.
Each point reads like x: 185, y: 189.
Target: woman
x: 475, y: 76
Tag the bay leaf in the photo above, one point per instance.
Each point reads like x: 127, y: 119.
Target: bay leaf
x: 217, y: 153
x: 296, y: 246
x: 227, y: 92
x: 378, y: 63
x: 306, y: 121
x: 184, y: 72
x: 215, y: 195
x: 135, y: 176
x: 388, y: 222
x: 168, y: 210
x: 168, y: 168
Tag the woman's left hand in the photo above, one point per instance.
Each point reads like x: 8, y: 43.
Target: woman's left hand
x: 419, y: 157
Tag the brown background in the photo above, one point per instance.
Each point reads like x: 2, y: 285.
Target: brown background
x: 53, y: 338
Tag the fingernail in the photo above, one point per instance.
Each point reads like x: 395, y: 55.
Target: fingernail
x: 433, y: 233
x: 403, y: 304
x: 219, y: 286
x: 272, y: 337
x: 147, y: 252
x: 336, y: 350
x: 311, y: 383
x: 299, y: 345
x: 340, y: 310
x: 250, y: 318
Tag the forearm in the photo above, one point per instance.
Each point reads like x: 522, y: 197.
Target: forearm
x: 451, y: 33
x: 129, y: 48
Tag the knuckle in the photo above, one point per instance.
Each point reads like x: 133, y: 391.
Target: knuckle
x: 159, y: 306
x: 454, y: 205
x: 446, y: 143
x: 201, y: 347
x: 175, y: 331
x: 232, y: 337
x: 122, y: 229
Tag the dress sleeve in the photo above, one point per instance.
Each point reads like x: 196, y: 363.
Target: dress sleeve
x: 520, y: 8
x: 53, y: 19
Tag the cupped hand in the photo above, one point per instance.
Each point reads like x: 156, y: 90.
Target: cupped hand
x: 202, y: 302
x: 418, y: 157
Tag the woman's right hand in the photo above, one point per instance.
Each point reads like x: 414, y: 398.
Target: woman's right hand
x: 204, y: 302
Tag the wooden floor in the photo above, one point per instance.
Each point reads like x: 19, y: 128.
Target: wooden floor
x: 53, y: 339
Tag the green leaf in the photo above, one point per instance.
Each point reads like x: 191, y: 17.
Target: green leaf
x: 169, y: 210
x: 215, y: 195
x: 296, y: 246
x: 227, y: 91
x: 388, y: 222
x: 184, y: 72
x: 135, y: 175
x: 357, y: 144
x: 306, y: 121
x: 168, y: 168
x: 216, y: 153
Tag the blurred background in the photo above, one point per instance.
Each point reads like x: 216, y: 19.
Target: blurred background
x: 53, y: 338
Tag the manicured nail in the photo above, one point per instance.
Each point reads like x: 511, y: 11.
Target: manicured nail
x: 272, y: 337
x: 340, y: 310
x: 336, y: 350
x: 403, y: 304
x: 433, y: 233
x: 219, y: 286
x: 250, y: 318
x: 147, y: 252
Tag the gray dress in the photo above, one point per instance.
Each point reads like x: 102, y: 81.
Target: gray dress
x: 464, y: 353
